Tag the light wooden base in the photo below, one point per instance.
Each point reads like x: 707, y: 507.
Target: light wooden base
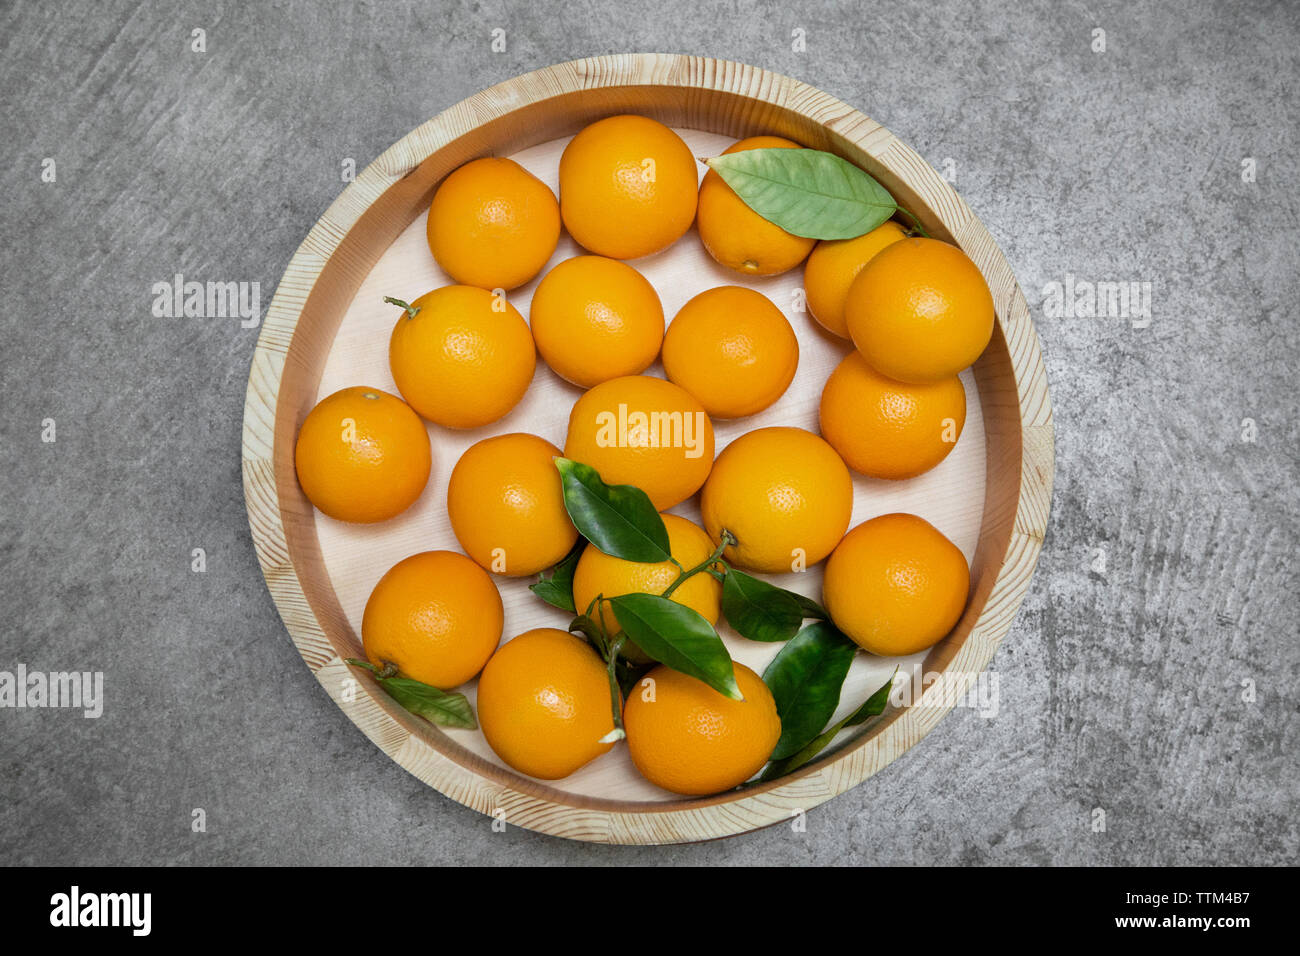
x: 327, y: 328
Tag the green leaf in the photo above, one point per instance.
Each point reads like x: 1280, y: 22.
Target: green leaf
x: 679, y: 637
x: 807, y: 192
x: 805, y: 680
x: 556, y: 588
x: 617, y: 519
x: 758, y: 610
x: 444, y: 708
x: 874, y: 706
x: 591, y: 630
x: 810, y: 607
x: 447, y: 709
x: 629, y: 674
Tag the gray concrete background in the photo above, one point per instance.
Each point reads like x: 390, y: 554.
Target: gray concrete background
x: 1121, y: 688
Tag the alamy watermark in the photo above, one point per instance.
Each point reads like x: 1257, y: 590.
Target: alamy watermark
x: 78, y: 690
x: 208, y: 300
x: 1076, y: 298
x: 948, y: 689
x: 128, y: 910
x: 626, y: 428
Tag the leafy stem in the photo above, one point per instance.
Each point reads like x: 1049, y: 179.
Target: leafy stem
x: 915, y: 226
x: 444, y: 708
x: 874, y: 706
x: 705, y: 565
x: 615, y: 693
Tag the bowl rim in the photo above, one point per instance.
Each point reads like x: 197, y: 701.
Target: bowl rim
x: 516, y: 799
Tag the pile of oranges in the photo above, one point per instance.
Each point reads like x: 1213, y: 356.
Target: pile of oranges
x: 916, y: 311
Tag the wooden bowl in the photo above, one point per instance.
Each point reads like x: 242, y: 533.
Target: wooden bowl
x: 326, y: 328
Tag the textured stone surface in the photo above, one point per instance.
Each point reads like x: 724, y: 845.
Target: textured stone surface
x: 1169, y: 575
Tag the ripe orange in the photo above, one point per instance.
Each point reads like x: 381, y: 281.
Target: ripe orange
x: 493, y: 224
x: 544, y: 703
x: 464, y: 359
x: 599, y: 574
x: 627, y: 187
x: 783, y: 493
x: 506, y: 506
x: 889, y: 429
x: 833, y: 266
x: 686, y: 737
x: 362, y: 455
x: 896, y: 585
x: 735, y: 235
x: 643, y: 431
x: 920, y: 311
x: 733, y: 350
x: 595, y: 319
x: 436, y: 615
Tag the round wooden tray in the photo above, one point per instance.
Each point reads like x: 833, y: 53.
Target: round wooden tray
x: 327, y: 327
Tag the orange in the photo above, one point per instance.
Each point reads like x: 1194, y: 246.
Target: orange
x: 833, y: 266
x: 920, y: 311
x: 733, y: 350
x: 493, y: 224
x: 464, y: 359
x: 599, y: 574
x: 686, y: 737
x: 627, y: 187
x: 544, y: 703
x: 735, y: 235
x: 896, y: 585
x: 643, y: 431
x: 362, y: 455
x: 889, y: 429
x: 437, y: 616
x: 785, y: 496
x: 506, y: 506
x: 595, y: 319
